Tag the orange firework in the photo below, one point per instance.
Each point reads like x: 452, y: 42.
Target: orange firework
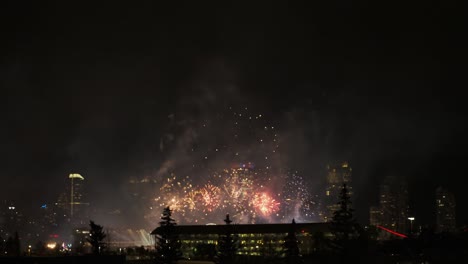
x: 265, y: 204
x: 211, y: 196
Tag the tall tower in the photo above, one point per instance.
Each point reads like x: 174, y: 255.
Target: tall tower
x: 445, y: 210
x: 337, y: 175
x: 76, y: 193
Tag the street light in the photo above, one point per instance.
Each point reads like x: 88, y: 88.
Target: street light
x: 411, y: 223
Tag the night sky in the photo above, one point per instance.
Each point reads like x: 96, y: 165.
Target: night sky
x: 92, y: 89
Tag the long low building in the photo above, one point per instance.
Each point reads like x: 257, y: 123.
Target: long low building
x: 252, y: 239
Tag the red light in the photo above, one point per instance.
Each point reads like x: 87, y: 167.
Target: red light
x: 54, y: 235
x: 302, y: 231
x: 392, y: 232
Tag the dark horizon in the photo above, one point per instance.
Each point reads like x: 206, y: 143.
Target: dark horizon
x: 96, y: 90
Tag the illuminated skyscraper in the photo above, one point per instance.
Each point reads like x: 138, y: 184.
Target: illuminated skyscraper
x: 392, y: 212
x: 337, y: 175
x: 445, y: 210
x: 72, y: 201
x: 76, y: 195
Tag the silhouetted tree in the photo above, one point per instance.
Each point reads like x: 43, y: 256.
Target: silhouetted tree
x: 291, y: 246
x: 227, y: 245
x: 168, y: 243
x: 96, y: 238
x: 343, y: 225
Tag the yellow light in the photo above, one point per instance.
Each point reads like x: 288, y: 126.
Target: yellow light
x: 75, y: 176
x: 51, y: 245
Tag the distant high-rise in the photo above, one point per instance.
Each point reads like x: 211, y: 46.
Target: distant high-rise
x: 445, y: 210
x: 76, y: 192
x: 337, y: 175
x: 72, y: 201
x: 392, y: 212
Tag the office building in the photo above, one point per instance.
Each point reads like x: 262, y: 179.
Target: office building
x: 392, y: 211
x: 252, y: 240
x: 445, y: 210
x: 71, y: 204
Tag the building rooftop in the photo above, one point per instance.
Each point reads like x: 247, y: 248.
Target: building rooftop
x: 249, y: 228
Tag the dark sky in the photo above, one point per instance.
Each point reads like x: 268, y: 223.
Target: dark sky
x: 89, y: 89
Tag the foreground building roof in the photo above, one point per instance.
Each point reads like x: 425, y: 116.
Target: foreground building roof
x: 249, y: 228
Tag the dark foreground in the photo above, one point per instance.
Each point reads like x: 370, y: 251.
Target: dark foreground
x: 319, y: 259
x: 117, y: 259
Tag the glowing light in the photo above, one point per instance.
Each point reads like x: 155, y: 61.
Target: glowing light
x: 210, y: 195
x: 51, y: 245
x: 265, y: 204
x: 75, y: 176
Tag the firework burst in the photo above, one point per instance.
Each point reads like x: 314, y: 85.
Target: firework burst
x: 210, y: 196
x: 265, y: 204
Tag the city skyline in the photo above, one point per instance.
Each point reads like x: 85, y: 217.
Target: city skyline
x: 62, y: 221
x: 117, y: 96
x: 392, y: 210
